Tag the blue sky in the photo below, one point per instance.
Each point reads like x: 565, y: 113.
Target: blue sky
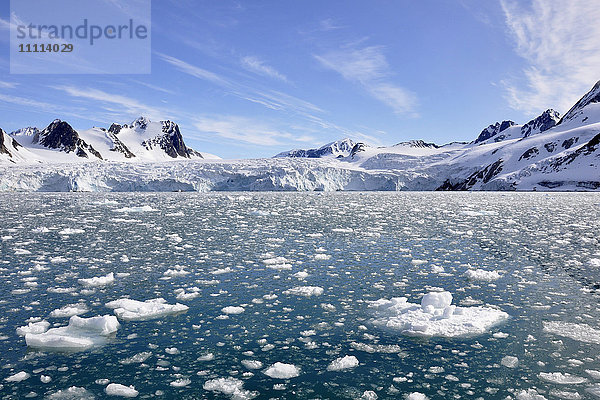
x: 252, y: 78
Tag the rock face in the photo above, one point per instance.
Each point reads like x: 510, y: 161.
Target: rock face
x: 61, y: 136
x: 591, y: 97
x: 547, y: 120
x: 420, y: 144
x: 339, y: 148
x: 493, y: 131
x: 171, y: 142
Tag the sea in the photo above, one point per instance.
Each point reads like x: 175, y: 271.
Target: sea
x: 290, y: 295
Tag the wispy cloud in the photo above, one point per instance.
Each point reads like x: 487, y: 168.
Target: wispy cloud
x: 560, y: 42
x: 258, y: 66
x: 114, y: 103
x: 368, y: 67
x: 193, y: 70
x: 245, y: 130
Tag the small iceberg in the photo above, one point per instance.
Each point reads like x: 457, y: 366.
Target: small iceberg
x: 134, y: 310
x: 80, y: 334
x: 435, y: 316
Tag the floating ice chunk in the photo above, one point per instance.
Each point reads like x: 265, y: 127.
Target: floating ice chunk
x: 509, y: 361
x: 252, y: 364
x: 182, y: 295
x: 593, y: 373
x: 322, y: 257
x: 80, y: 334
x: 369, y: 395
x: 530, y: 394
x: 72, y: 393
x: 282, y: 371
x: 233, y: 310
x: 594, y: 391
x: 306, y: 291
x: 342, y: 363
x: 580, y: 332
x: 301, y: 275
x: 116, y: 389
x: 279, y: 263
x: 561, y: 379
x: 435, y: 316
x: 98, y: 281
x: 437, y: 300
x: 563, y: 394
x: 133, y: 310
x: 135, y: 209
x: 33, y: 327
x: 173, y: 273
x: 45, y: 379
x: 71, y: 231
x: 482, y: 275
x: 18, y: 377
x: 231, y: 387
x: 69, y: 311
x: 416, y: 396
x: 183, y: 382
x: 137, y: 358
x: 40, y: 229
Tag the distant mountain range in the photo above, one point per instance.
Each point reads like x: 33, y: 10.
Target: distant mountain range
x: 142, y: 140
x: 549, y: 152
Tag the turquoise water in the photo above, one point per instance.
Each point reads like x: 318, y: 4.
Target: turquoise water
x: 373, y: 245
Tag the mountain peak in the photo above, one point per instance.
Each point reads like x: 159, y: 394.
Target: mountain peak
x: 545, y: 121
x: 593, y: 96
x: 493, y: 130
x: 141, y: 122
x: 339, y: 148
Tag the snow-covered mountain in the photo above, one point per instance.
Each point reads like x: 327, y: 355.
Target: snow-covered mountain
x: 339, y: 148
x: 546, y: 153
x: 142, y: 140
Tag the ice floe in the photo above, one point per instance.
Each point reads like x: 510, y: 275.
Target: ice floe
x: 80, y: 334
x: 231, y: 387
x: 134, y: 310
x: 98, y: 281
x: 281, y: 370
x: 510, y: 361
x: 482, y: 275
x: 232, y: 310
x: 435, y: 316
x: 69, y: 311
x: 306, y: 291
x: 33, y: 327
x: 18, y: 377
x: 135, y: 209
x: 561, y: 379
x: 116, y: 389
x: 580, y: 332
x: 342, y: 363
x: 72, y: 393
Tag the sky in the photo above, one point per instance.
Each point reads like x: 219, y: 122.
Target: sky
x: 246, y: 79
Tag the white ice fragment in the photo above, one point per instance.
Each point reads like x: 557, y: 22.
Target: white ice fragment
x: 482, y: 275
x: 137, y: 358
x: 509, y: 361
x: 561, y: 379
x: 252, y: 364
x: 18, y: 377
x: 306, y: 291
x: 98, y: 281
x: 231, y: 387
x: 232, y: 310
x: 416, y: 396
x: 580, y: 332
x: 116, y: 389
x: 280, y: 370
x: 529, y: 394
x: 70, y: 231
x: 135, y: 209
x: 80, y: 334
x: 435, y: 316
x: 69, y: 311
x: 72, y: 393
x: 342, y: 363
x: 133, y: 310
x: 183, y: 382
x: 33, y: 327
